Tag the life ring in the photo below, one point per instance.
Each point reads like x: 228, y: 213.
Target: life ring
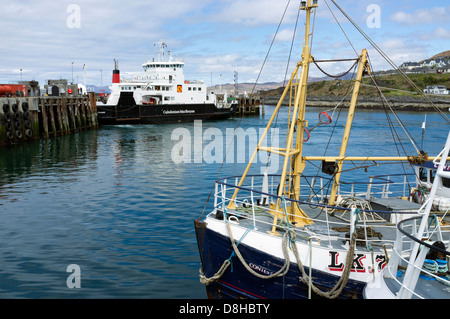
x: 307, y: 136
x: 324, y: 118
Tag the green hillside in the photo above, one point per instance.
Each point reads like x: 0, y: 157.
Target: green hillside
x: 393, y: 85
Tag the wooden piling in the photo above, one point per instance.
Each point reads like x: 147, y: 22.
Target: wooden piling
x: 72, y: 120
x: 31, y: 118
x: 248, y: 106
x: 43, y: 121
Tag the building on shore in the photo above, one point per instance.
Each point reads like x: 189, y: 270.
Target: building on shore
x: 436, y: 89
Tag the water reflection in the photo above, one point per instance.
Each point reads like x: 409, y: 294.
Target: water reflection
x: 114, y: 202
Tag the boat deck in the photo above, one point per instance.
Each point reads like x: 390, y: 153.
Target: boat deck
x: 427, y: 287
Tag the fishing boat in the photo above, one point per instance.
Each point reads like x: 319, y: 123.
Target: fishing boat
x: 160, y: 94
x: 293, y: 235
x: 418, y: 267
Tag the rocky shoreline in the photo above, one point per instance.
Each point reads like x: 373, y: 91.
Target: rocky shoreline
x: 364, y: 102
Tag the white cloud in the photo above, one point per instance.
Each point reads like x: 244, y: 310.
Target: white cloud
x: 254, y: 12
x: 441, y: 33
x: 213, y: 36
x: 285, y: 35
x: 398, y: 51
x: 422, y: 16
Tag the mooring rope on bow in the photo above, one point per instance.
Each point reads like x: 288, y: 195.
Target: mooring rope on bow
x: 342, y: 282
x: 305, y: 278
x: 281, y: 272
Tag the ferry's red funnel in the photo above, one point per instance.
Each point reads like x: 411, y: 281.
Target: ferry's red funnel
x: 116, y: 73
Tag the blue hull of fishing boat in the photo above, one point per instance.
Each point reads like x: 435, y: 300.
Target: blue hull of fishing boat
x: 238, y: 282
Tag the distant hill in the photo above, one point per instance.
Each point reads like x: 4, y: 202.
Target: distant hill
x: 246, y: 87
x: 392, y: 86
x: 261, y: 87
x: 445, y: 53
x: 442, y: 54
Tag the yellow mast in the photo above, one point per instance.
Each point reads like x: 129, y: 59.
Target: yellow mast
x: 348, y: 126
x: 297, y: 126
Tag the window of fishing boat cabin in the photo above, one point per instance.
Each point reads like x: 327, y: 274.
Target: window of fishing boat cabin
x: 425, y: 175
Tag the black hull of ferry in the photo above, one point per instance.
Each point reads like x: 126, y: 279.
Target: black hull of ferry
x: 237, y: 282
x: 159, y: 114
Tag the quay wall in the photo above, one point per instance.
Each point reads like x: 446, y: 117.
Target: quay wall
x: 31, y: 118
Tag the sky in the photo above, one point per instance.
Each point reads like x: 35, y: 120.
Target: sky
x: 43, y: 39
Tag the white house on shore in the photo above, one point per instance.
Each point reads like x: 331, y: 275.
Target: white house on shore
x: 436, y: 89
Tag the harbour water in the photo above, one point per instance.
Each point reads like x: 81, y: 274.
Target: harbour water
x: 120, y: 202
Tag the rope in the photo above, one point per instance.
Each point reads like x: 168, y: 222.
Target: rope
x: 281, y: 272
x: 402, y: 126
x: 335, y: 76
x: 331, y: 294
x: 217, y: 275
x: 271, y: 44
x: 393, y: 65
x: 342, y: 282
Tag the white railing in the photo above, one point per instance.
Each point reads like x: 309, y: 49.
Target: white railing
x: 255, y: 196
x: 316, y: 189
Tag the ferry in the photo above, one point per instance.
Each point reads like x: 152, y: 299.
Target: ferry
x: 160, y: 94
